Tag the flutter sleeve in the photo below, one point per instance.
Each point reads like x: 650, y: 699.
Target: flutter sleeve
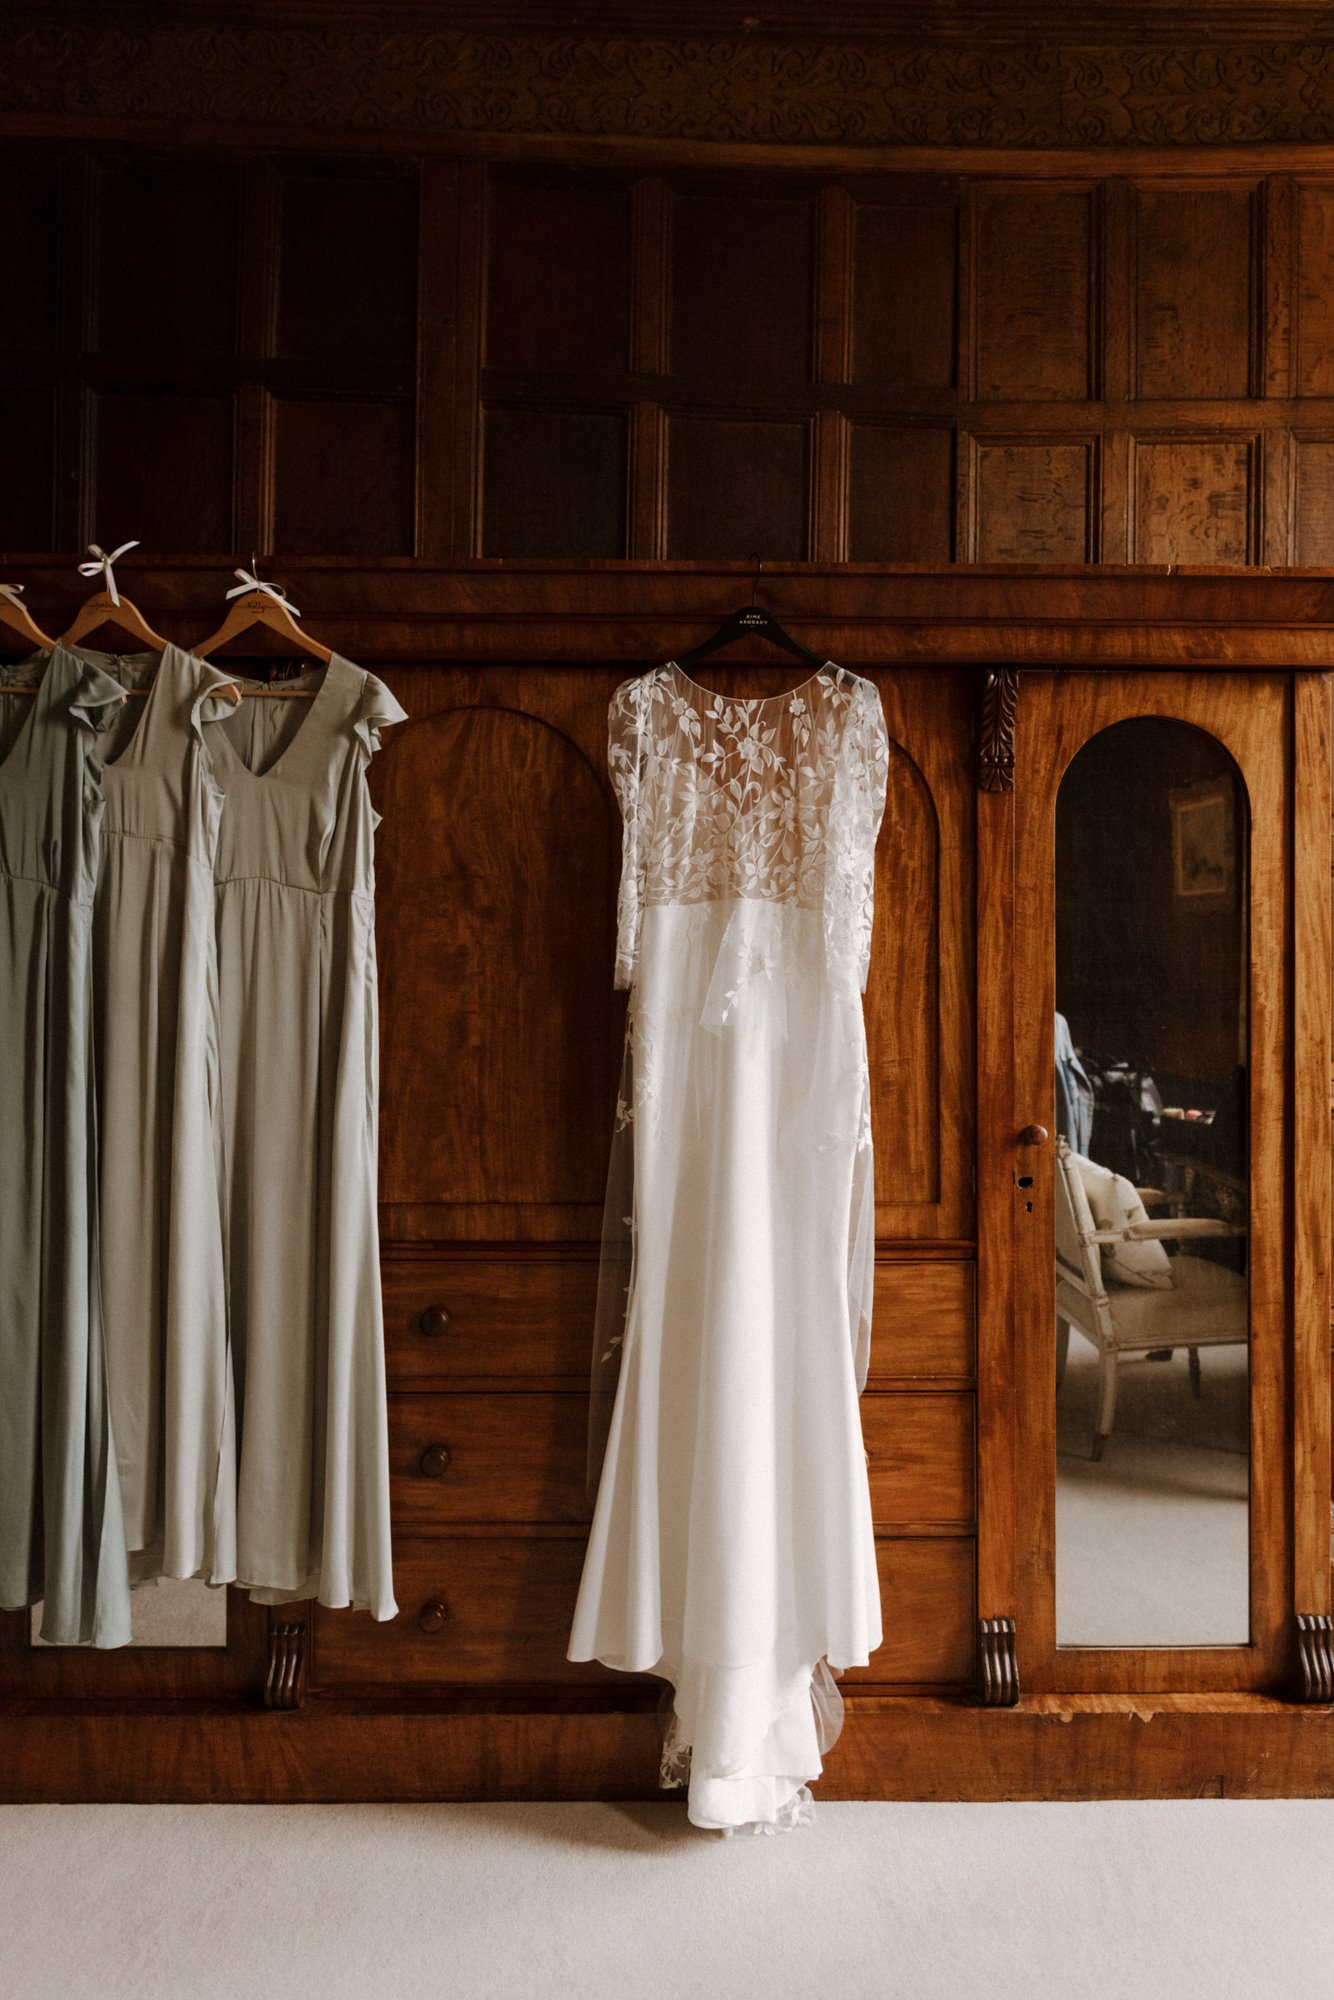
x: 376, y: 710
x: 627, y: 735
x: 856, y: 813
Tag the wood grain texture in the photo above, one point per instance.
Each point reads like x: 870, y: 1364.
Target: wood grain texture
x: 1311, y: 1220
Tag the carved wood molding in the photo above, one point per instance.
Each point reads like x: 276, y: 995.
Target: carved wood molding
x: 284, y: 1687
x: 995, y: 730
x: 1000, y: 1671
x: 83, y: 64
x: 1315, y: 1656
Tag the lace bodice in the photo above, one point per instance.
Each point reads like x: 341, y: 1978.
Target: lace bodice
x: 777, y: 800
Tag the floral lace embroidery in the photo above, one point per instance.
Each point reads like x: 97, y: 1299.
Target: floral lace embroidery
x: 778, y: 801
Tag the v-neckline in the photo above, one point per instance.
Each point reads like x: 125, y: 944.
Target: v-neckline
x: 87, y: 658
x: 272, y: 770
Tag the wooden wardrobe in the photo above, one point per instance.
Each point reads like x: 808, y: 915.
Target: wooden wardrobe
x: 1016, y: 396
x: 497, y: 865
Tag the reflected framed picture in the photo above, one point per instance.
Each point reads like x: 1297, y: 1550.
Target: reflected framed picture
x: 1203, y: 850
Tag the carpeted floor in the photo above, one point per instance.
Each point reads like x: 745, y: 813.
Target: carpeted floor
x: 1207, y: 1901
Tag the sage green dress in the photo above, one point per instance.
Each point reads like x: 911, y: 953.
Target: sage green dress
x: 156, y: 1013
x: 61, y: 1537
x: 300, y: 1037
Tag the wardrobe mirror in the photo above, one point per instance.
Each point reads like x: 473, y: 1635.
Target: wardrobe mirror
x: 1151, y: 1196
x: 170, y: 1613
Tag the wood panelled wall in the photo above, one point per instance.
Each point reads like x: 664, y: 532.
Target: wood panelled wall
x: 393, y: 357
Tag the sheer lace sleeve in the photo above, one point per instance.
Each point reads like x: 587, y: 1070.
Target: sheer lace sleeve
x: 627, y: 738
x: 856, y: 810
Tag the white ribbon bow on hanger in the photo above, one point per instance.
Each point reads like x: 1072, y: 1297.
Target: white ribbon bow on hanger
x: 13, y: 591
x: 273, y: 590
x: 103, y: 564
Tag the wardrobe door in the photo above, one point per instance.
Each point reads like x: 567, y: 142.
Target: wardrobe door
x: 1147, y: 1181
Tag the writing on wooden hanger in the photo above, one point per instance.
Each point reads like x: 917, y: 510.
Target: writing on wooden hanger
x: 16, y: 617
x: 751, y: 621
x: 265, y: 607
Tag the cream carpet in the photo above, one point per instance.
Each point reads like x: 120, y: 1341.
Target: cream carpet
x: 1197, y: 1901
x: 1153, y: 1541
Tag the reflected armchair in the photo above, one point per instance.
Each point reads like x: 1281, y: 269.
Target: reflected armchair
x: 1204, y: 1306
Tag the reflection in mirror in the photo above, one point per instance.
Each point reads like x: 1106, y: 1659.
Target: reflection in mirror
x: 170, y: 1613
x: 1152, y: 1309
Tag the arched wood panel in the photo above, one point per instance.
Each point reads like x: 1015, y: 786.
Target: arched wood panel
x: 495, y: 905
x: 920, y: 991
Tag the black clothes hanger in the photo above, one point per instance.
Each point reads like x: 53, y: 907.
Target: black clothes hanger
x: 751, y: 621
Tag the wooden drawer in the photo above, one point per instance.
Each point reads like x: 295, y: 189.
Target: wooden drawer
x: 507, y: 1609
x: 509, y: 1457
x: 452, y: 1318
x: 484, y: 1612
x: 928, y: 1599
x: 924, y: 1318
x: 920, y: 1452
x: 515, y: 1457
x: 448, y: 1318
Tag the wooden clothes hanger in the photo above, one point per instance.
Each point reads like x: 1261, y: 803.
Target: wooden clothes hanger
x: 264, y: 606
x: 108, y: 607
x: 17, y: 618
x: 752, y: 621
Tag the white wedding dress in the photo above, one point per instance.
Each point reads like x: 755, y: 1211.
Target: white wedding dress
x: 731, y: 1550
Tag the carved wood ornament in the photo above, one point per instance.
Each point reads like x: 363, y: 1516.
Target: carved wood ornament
x: 759, y: 88
x: 995, y: 731
x: 1000, y: 1672
x: 284, y: 1688
x: 1315, y: 1656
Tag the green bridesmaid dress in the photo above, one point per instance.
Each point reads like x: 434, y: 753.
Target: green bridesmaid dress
x: 296, y: 963
x: 61, y: 1538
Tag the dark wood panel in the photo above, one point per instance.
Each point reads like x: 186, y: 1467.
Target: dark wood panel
x: 164, y: 471
x: 554, y: 482
x: 1313, y: 306
x: 347, y: 267
x: 1034, y: 501
x: 519, y: 1458
x: 557, y: 275
x: 1034, y: 321
x: 167, y: 248
x: 27, y: 426
x: 495, y: 912
x: 343, y: 475
x: 928, y: 1600
x: 1193, y: 499
x: 514, y: 1458
x: 1194, y: 291
x: 1313, y: 500
x: 30, y: 244
x: 901, y: 494
x: 904, y: 284
x: 736, y: 489
x: 742, y: 271
x: 508, y: 1606
x: 504, y: 1317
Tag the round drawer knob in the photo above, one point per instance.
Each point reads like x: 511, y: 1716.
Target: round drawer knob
x: 432, y: 1615
x: 433, y: 1322
x: 1034, y: 1135
x: 434, y: 1460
